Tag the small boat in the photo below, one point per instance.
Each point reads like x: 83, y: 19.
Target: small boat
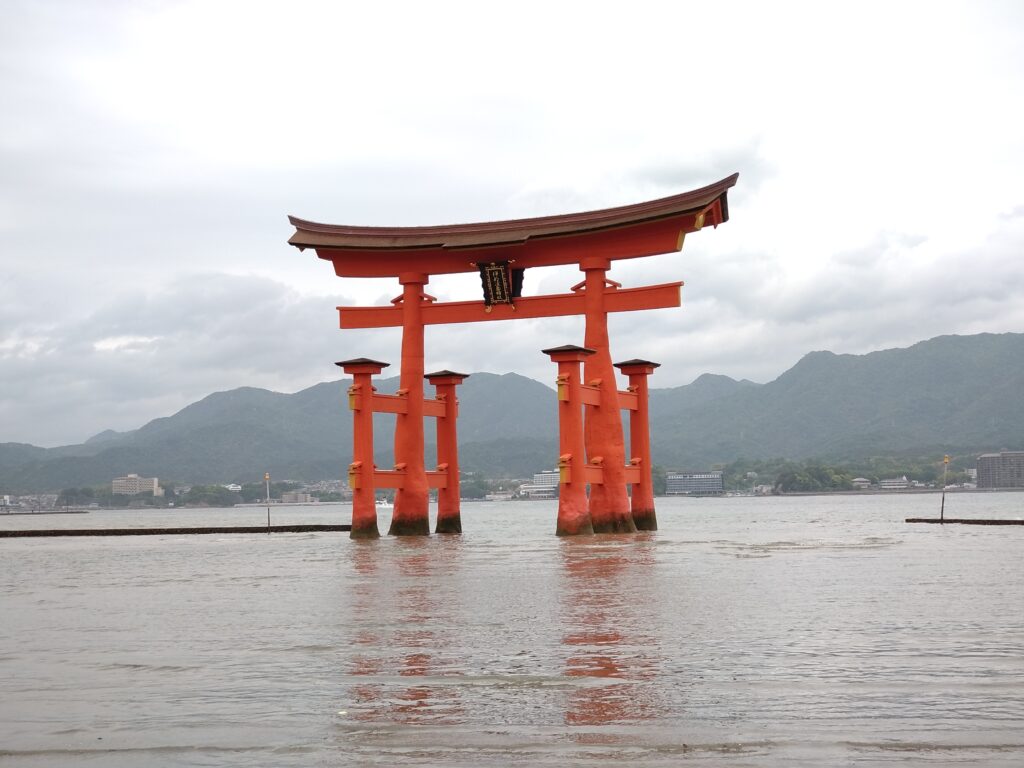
x: 383, y: 504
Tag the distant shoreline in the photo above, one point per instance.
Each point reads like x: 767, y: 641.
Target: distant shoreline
x: 273, y: 504
x: 727, y: 494
x: 285, y: 504
x: 897, y: 492
x: 50, y: 512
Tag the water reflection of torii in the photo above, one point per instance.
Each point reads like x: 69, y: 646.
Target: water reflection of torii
x: 500, y: 251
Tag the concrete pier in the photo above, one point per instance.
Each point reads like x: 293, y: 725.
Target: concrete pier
x: 171, y: 531
x: 962, y: 521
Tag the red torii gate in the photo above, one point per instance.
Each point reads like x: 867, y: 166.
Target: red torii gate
x: 499, y: 250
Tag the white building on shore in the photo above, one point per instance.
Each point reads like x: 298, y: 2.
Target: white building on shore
x: 544, y: 485
x: 894, y: 483
x: 133, y: 485
x: 702, y: 483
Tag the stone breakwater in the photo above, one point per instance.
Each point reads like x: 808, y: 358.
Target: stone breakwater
x: 173, y: 531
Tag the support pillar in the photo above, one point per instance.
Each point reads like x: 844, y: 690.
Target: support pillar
x: 449, y: 518
x: 609, y: 502
x: 642, y: 496
x: 573, y: 508
x: 360, y: 471
x: 411, y: 511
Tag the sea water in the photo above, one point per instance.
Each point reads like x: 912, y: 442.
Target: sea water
x: 745, y: 632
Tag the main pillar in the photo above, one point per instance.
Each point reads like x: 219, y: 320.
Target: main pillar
x: 449, y: 517
x: 573, y: 509
x: 642, y: 495
x: 609, y: 502
x: 360, y: 471
x: 410, y: 516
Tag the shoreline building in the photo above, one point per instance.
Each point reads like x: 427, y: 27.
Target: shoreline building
x: 133, y: 485
x: 694, y: 483
x: 894, y: 483
x: 1001, y: 470
x: 544, y: 485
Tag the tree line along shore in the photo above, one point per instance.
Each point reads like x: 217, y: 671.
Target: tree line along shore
x: 772, y: 476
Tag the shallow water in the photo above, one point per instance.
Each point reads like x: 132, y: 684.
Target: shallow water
x: 747, y: 631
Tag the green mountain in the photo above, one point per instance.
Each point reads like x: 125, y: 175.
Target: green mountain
x: 956, y: 394
x: 505, y: 424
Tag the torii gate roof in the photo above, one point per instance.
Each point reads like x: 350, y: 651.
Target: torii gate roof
x: 629, y: 231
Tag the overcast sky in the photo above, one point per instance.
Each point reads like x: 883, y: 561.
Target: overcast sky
x: 151, y: 151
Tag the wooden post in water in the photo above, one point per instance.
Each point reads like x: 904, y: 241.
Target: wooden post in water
x: 642, y: 495
x: 266, y: 479
x: 942, y: 507
x: 573, y: 506
x: 361, y: 472
x: 449, y: 518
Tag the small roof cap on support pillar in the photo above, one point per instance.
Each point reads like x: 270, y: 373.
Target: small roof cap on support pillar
x: 445, y: 377
x: 636, y: 366
x: 362, y: 365
x: 568, y: 353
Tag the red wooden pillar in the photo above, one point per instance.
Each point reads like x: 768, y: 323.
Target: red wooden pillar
x: 449, y: 519
x: 360, y: 471
x: 640, y: 443
x: 411, y: 512
x: 573, y: 508
x: 609, y: 502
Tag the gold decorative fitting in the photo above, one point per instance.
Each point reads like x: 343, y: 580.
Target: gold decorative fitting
x: 564, y: 470
x: 353, y: 474
x: 562, y: 384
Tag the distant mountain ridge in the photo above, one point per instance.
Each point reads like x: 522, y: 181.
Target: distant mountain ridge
x: 952, y: 393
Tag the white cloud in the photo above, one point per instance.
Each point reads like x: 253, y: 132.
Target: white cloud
x: 123, y: 343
